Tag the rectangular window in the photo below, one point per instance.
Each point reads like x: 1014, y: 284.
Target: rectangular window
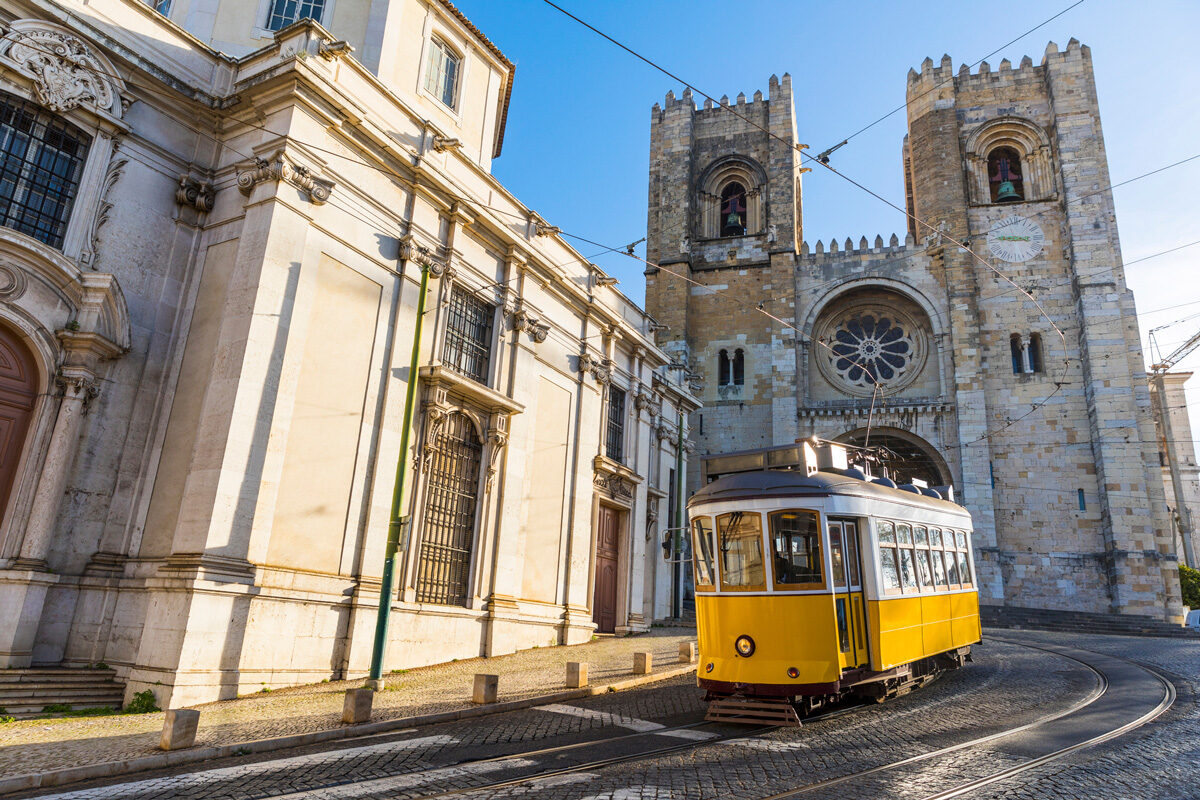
x: 468, y: 347
x: 889, y: 559
x: 952, y: 568
x: 908, y: 573
x: 939, y: 569
x: 285, y: 12
x: 161, y: 6
x: 705, y: 563
x: 924, y: 569
x: 852, y: 552
x: 739, y: 537
x: 615, y: 440
x: 796, y: 545
x: 441, y: 73
x: 964, y: 570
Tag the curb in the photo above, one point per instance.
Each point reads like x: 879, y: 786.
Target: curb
x: 109, y: 769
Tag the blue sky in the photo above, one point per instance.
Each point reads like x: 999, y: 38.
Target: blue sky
x: 576, y: 148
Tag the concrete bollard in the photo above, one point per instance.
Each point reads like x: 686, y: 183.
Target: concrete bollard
x: 179, y: 729
x: 486, y: 688
x: 687, y: 652
x: 357, y: 707
x: 577, y: 674
x: 643, y: 663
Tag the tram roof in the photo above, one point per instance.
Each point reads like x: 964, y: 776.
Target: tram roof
x: 768, y: 483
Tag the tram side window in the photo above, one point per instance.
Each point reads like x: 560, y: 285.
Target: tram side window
x: 908, y: 570
x: 796, y: 542
x: 924, y: 566
x: 739, y: 537
x: 705, y: 563
x: 935, y: 553
x: 889, y: 563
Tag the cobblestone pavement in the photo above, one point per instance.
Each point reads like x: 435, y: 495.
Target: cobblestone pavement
x: 41, y: 745
x: 1008, y: 685
x: 987, y: 697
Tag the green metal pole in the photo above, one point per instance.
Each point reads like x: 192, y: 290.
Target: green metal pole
x: 677, y: 568
x: 395, y: 521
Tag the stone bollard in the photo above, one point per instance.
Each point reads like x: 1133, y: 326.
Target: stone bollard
x: 179, y: 729
x: 577, y: 674
x: 486, y: 688
x: 643, y: 663
x: 687, y: 652
x: 357, y: 707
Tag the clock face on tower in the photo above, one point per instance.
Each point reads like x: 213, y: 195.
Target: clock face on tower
x: 1015, y: 239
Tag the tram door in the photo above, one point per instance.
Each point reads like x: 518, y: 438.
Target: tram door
x: 847, y: 593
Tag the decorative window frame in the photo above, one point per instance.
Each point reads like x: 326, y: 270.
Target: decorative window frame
x: 716, y: 177
x: 261, y: 16
x: 80, y: 85
x: 1029, y: 141
x: 435, y: 31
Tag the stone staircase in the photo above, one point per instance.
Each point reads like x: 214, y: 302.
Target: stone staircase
x: 27, y: 692
x: 1080, y: 622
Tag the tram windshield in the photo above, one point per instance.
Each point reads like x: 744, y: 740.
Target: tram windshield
x: 796, y: 540
x: 740, y: 540
x: 705, y: 563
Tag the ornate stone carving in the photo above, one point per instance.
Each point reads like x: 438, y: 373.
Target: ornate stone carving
x: 435, y: 418
x: 79, y: 386
x: 524, y: 320
x: 443, y: 143
x: 12, y: 282
x: 66, y: 71
x: 424, y: 257
x: 497, y: 441
x: 90, y: 252
x: 615, y: 485
x: 599, y: 368
x: 280, y: 168
x: 195, y: 193
x: 332, y: 51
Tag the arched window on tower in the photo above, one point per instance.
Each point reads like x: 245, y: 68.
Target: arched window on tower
x: 724, y: 369
x: 733, y: 210
x: 739, y: 367
x: 1018, y: 359
x: 1035, y: 352
x: 1005, y: 175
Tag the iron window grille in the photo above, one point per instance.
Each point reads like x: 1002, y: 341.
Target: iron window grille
x: 41, y: 160
x: 444, y: 565
x: 285, y: 12
x: 468, y: 346
x: 616, y: 425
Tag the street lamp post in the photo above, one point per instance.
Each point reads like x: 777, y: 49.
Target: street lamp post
x: 396, y: 523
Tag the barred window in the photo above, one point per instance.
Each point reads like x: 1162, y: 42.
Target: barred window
x: 441, y: 73
x: 468, y: 347
x: 616, y: 424
x: 445, y: 561
x: 41, y: 160
x: 285, y: 12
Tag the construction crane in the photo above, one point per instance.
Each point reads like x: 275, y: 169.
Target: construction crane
x: 1157, y: 371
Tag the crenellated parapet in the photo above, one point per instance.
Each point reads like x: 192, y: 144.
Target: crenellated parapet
x: 984, y: 77
x: 894, y: 247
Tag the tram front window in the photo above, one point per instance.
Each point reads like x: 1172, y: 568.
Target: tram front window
x: 796, y: 542
x: 704, y: 562
x: 740, y: 540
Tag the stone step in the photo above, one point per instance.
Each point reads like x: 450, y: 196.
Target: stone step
x: 27, y: 710
x: 54, y: 690
x: 1081, y: 622
x: 9, y: 676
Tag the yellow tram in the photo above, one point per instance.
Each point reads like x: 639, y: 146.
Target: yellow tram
x: 817, y: 582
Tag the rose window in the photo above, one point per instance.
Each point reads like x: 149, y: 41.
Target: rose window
x: 869, y: 348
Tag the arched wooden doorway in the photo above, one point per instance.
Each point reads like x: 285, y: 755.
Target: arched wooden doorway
x: 18, y: 391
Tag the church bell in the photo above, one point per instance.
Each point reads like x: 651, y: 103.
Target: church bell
x: 1007, y: 192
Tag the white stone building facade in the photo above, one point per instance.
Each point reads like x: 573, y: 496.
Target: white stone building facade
x: 216, y: 220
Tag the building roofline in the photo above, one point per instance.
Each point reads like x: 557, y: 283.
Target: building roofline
x: 506, y: 93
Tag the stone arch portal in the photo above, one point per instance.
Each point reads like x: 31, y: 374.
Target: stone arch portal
x: 18, y: 393
x: 910, y: 455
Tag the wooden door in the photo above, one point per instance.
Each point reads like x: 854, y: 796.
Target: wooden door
x: 18, y: 390
x: 604, y: 601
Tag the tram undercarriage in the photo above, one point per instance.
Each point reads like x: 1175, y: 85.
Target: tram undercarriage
x: 786, y: 706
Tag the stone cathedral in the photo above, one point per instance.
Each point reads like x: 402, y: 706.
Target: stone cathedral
x: 1040, y: 421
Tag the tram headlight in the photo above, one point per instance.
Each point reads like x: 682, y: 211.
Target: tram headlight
x: 709, y: 668
x: 744, y: 646
x: 793, y: 672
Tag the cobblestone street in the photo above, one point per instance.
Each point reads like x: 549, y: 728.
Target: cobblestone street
x: 651, y: 742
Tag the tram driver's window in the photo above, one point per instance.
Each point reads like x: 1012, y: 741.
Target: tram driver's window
x: 704, y: 562
x: 796, y: 545
x: 739, y: 537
